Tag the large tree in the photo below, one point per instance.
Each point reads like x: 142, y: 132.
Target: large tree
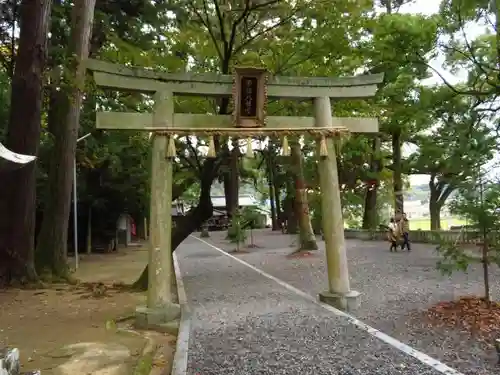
x: 398, y: 45
x: 307, y: 240
x: 17, y: 190
x: 453, y: 149
x: 64, y: 124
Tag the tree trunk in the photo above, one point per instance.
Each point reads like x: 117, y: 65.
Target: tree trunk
x: 88, y: 243
x: 270, y: 184
x: 277, y: 199
x: 435, y: 212
x: 52, y: 243
x: 370, y: 210
x: 486, y: 277
x: 146, y: 229
x: 289, y: 213
x: 226, y: 180
x: 370, y: 214
x: 397, y: 173
x: 234, y: 172
x: 435, y: 203
x: 18, y: 188
x: 307, y: 239
x: 274, y: 217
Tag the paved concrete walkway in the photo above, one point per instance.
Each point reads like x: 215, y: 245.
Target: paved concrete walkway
x: 246, y: 323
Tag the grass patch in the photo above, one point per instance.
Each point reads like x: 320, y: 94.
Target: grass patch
x: 425, y: 224
x: 144, y: 365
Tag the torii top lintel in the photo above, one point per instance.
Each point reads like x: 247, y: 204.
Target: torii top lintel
x: 125, y: 78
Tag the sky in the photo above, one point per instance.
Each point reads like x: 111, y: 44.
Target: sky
x: 429, y: 7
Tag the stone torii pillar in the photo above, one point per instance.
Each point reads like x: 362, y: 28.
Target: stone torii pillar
x: 339, y: 293
x: 160, y: 312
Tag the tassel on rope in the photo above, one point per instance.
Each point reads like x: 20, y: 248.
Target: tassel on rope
x: 286, y: 148
x: 338, y: 142
x: 323, y: 149
x: 211, y: 147
x: 171, y: 153
x: 249, y: 153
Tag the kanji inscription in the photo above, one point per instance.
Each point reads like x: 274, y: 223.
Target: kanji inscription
x: 248, y: 102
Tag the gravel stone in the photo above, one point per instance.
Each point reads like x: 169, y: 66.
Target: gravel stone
x: 244, y: 323
x: 394, y: 288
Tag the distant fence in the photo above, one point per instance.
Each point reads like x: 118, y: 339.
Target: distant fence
x: 10, y: 365
x: 420, y: 236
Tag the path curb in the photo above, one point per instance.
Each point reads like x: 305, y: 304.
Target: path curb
x: 179, y: 366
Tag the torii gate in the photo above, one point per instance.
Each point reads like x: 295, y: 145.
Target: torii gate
x: 249, y: 89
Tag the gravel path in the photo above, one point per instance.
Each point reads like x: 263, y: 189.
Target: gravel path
x: 393, y: 286
x: 244, y: 323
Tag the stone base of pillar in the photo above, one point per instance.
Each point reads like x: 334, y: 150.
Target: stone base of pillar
x: 347, y: 302
x: 163, y: 319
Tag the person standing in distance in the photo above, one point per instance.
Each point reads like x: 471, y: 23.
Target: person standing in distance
x: 392, y: 235
x: 405, y: 229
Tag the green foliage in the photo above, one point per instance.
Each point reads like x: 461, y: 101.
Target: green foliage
x: 398, y: 44
x: 477, y: 55
x: 454, y: 258
x: 191, y: 195
x: 314, y: 200
x: 479, y: 204
x: 250, y: 217
x: 459, y: 143
x: 397, y: 48
x: 236, y: 232
x: 245, y: 219
x: 289, y: 38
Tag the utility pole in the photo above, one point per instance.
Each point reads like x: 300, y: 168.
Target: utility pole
x: 75, y: 206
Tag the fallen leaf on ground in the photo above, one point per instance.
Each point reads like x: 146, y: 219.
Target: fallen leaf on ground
x: 473, y: 315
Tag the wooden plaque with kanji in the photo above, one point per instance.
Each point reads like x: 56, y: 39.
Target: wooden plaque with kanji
x: 250, y: 97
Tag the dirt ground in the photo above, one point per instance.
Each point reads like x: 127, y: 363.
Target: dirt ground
x: 39, y: 322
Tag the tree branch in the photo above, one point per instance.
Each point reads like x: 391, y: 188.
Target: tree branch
x: 468, y: 45
x: 266, y: 30
x: 208, y: 26
x: 239, y: 20
x: 421, y: 60
x: 220, y: 17
x: 194, y: 152
x: 445, y: 194
x: 179, y: 188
